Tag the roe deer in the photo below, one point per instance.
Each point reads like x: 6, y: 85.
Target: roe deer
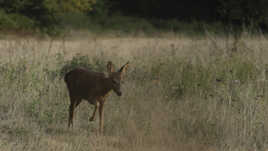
x: 93, y: 87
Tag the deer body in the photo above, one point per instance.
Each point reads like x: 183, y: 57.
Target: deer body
x: 87, y: 85
x: 92, y: 86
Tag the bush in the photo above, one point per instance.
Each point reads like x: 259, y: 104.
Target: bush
x: 15, y: 21
x: 40, y: 13
x: 79, y: 60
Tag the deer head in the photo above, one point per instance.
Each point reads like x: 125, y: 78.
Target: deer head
x: 116, y: 76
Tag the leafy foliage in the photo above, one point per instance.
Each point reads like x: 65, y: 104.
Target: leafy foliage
x: 78, y: 61
x: 69, y: 5
x: 15, y: 21
x: 43, y: 12
x: 245, y: 11
x: 48, y: 13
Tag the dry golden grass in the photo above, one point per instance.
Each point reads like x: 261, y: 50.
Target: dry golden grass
x: 162, y: 107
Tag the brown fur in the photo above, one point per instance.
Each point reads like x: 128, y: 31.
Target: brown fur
x: 92, y: 86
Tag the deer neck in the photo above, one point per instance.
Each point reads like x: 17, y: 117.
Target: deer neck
x: 107, y: 86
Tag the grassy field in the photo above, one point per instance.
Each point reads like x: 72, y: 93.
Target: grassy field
x: 180, y: 93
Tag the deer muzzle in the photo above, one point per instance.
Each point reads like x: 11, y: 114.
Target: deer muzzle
x: 119, y: 93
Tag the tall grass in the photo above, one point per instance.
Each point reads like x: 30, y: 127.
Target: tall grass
x: 178, y: 94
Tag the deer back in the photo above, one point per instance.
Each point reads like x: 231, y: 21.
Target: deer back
x: 86, y: 84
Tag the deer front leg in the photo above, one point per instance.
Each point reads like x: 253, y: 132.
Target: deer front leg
x: 71, y: 114
x: 101, y: 117
x: 93, y: 117
x: 74, y: 103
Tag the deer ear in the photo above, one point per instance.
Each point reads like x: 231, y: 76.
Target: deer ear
x: 123, y: 69
x: 110, y: 67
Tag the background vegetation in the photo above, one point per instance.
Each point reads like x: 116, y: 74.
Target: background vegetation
x: 143, y: 15
x: 179, y: 93
x: 197, y: 78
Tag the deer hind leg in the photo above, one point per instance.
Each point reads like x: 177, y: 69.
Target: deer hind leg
x: 93, y: 117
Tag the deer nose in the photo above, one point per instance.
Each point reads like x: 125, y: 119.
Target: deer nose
x: 119, y: 93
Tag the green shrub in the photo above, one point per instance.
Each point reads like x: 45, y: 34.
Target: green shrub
x: 81, y: 61
x: 15, y: 21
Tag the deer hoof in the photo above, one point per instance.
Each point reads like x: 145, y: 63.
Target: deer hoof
x: 92, y: 119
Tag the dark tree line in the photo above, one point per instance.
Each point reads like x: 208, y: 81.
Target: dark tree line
x: 227, y: 11
x: 44, y: 12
